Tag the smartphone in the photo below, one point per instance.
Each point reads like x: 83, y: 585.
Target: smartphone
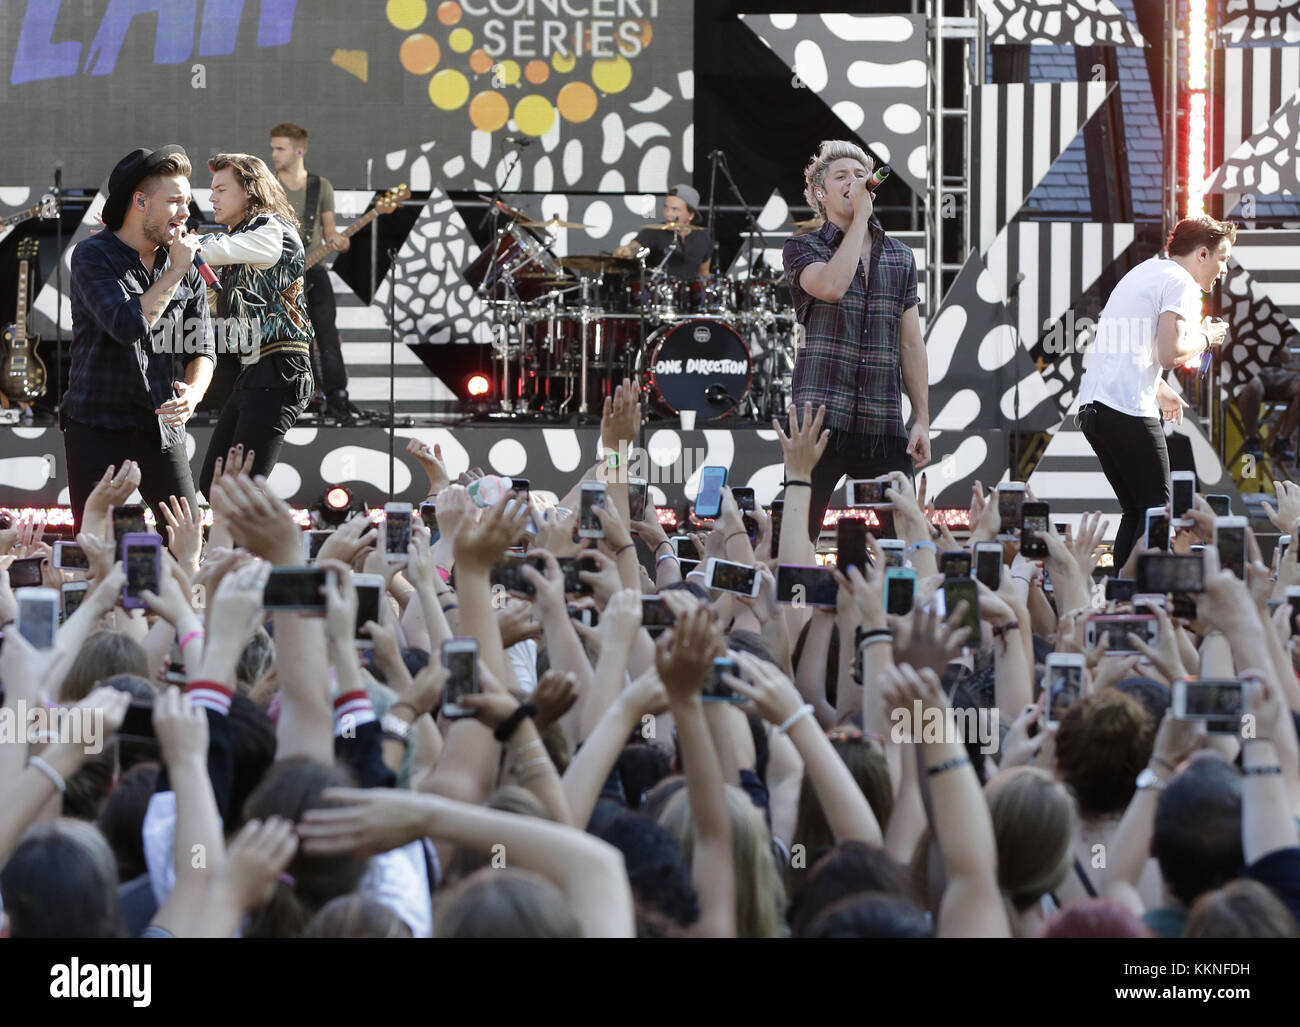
x: 296, y: 588
x: 1218, y: 701
x: 708, y: 501
x: 776, y: 511
x: 1220, y: 504
x: 687, y: 566
x: 72, y: 594
x: 370, y: 593
x: 1293, y: 598
x: 571, y: 567
x: 1120, y: 590
x: 656, y: 617
x: 137, y: 725
x: 684, y: 547
x: 957, y: 590
x: 586, y: 615
x: 429, y: 514
x: 1011, y: 497
x: 460, y: 657
x: 1230, y: 540
x: 1033, y: 526
x: 1062, y: 529
x: 592, y: 498
x: 851, y: 544
x: 741, y: 578
x: 1165, y: 573
x: 521, y: 487
x: 25, y: 573
x: 955, y: 565
x: 38, y: 616
x: 397, y: 532
x: 1183, y: 484
x: 312, y: 541
x: 805, y: 586
x: 1115, y: 628
x: 745, y: 503
x: 69, y: 556
x: 636, y: 497
x: 988, y: 564
x: 717, y: 689
x: 508, y: 573
x: 1157, y: 529
x: 1064, y: 684
x: 1283, y: 544
x: 895, y: 550
x: 900, y: 590
x: 142, y: 561
x: 867, y: 491
x: 128, y: 520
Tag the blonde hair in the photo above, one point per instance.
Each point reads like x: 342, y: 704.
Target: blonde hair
x: 814, y: 175
x: 1034, y: 823
x: 265, y: 193
x: 760, y: 895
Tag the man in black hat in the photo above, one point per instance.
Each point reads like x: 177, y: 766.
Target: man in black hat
x: 694, y: 250
x: 137, y: 300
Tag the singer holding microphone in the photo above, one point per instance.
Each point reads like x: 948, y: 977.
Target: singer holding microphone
x: 1150, y: 324
x: 262, y: 300
x: 133, y: 287
x: 854, y: 291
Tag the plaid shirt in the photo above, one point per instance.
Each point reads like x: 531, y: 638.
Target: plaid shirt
x: 850, y: 357
x: 118, y: 376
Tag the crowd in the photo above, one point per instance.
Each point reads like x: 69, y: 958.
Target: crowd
x: 288, y: 782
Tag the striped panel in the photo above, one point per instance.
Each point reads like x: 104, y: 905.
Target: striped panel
x: 1257, y: 80
x: 1022, y: 130
x: 1270, y: 257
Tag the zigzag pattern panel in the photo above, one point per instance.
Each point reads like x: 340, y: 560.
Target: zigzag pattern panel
x: 1059, y: 22
x: 47, y: 298
x: 1257, y: 80
x: 1260, y: 21
x: 1266, y: 163
x: 1270, y: 257
x: 1258, y: 328
x: 870, y: 70
x: 1022, y: 130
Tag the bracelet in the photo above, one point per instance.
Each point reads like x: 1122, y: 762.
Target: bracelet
x: 510, y: 725
x: 528, y: 745
x: 953, y: 764
x: 873, y: 633
x: 666, y: 556
x: 622, y: 549
x: 55, y: 777
x: 805, y: 484
x: 1243, y: 742
x: 805, y: 710
x: 1164, y: 763
x: 666, y: 542
x: 199, y: 632
x: 1261, y: 771
x: 541, y: 761
x: 393, y: 736
x: 742, y: 531
x: 450, y: 606
x: 612, y: 459
x: 923, y: 544
x: 395, y: 727
x: 407, y: 705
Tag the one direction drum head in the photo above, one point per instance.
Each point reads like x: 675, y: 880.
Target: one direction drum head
x: 693, y: 360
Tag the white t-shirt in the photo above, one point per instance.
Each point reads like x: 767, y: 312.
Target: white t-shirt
x: 1122, y: 371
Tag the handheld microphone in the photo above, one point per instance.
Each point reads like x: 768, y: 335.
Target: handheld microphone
x: 515, y: 140
x: 878, y: 177
x: 206, y: 272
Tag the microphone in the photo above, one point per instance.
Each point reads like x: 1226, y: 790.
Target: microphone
x: 717, y: 153
x: 1015, y: 286
x: 206, y: 272
x: 718, y: 395
x: 515, y: 140
x: 58, y: 177
x: 878, y: 177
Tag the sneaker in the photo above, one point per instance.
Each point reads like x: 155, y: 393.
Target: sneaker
x: 1253, y: 446
x: 1282, y: 450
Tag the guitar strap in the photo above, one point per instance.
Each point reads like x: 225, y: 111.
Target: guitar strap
x: 310, y: 204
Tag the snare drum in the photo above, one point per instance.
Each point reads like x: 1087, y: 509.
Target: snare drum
x: 758, y: 296
x: 690, y: 360
x: 713, y: 294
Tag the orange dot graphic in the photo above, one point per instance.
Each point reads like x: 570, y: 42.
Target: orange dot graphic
x: 489, y: 111
x: 479, y: 62
x: 449, y: 12
x: 576, y: 102
x: 644, y: 33
x: 420, y: 54
x: 537, y: 72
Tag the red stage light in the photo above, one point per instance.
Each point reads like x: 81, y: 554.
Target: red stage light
x: 478, y: 385
x: 338, y: 498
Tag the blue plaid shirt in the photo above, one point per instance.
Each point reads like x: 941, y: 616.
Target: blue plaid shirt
x: 120, y: 372
x: 850, y: 358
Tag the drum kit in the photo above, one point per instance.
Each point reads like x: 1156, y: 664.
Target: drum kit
x: 568, y: 330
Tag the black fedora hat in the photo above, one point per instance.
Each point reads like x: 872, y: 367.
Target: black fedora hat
x: 131, y: 170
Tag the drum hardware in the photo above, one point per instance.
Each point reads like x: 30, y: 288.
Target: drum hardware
x: 676, y: 227
x: 553, y: 223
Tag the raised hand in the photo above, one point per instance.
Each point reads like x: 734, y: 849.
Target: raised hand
x: 181, y: 727
x: 620, y: 417
x: 805, y: 444
x: 685, y: 653
x: 432, y: 462
x: 184, y: 532
x: 348, y: 540
x: 258, y: 520
x: 479, y: 546
x: 554, y: 696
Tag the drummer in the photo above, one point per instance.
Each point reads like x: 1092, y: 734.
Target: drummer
x: 694, y: 248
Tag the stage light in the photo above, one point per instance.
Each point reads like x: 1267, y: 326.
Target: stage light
x: 1198, y: 33
x: 335, y: 507
x: 338, y: 498
x: 478, y: 385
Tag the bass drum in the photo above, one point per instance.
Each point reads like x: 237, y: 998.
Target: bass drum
x: 699, y: 365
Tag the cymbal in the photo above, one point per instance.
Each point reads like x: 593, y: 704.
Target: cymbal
x: 553, y: 223
x: 598, y: 262
x: 674, y: 226
x: 505, y: 208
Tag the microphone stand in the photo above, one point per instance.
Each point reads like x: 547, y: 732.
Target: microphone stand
x: 714, y: 158
x: 392, y: 379
x: 754, y: 230
x: 58, y: 289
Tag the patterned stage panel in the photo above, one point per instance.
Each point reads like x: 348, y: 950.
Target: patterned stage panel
x: 1058, y: 22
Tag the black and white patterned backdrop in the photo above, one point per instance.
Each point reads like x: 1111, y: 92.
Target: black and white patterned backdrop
x: 1058, y: 22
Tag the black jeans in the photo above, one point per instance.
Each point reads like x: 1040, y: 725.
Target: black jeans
x: 1135, y: 460
x: 889, y: 454
x: 89, y: 451
x: 322, y: 310
x: 264, y: 405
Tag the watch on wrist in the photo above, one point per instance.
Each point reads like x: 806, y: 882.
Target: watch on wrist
x: 1149, y: 779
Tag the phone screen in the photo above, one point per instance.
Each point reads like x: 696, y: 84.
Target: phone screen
x: 1184, y: 495
x: 397, y: 530
x: 1158, y: 531
x: 461, y: 660
x: 429, y: 514
x: 955, y: 565
x: 26, y: 572
x: 717, y: 689
x: 141, y: 569
x: 36, y: 620
x: 1232, y: 550
x: 656, y: 618
x: 72, y: 598
x: 900, y: 591
x: 1120, y: 590
x: 127, y: 519
x: 805, y: 586
x: 685, y: 547
x: 72, y: 557
x: 1065, y: 688
x: 956, y: 591
x: 636, y: 498
x: 733, y: 577
x: 590, y: 500
x: 708, y: 502
x: 776, y: 512
x: 1161, y: 573
x: 988, y: 567
x: 1212, y: 700
x: 368, y: 597
x: 1220, y: 504
x: 1009, y: 504
x: 1033, y: 526
x: 851, y: 545
x: 868, y: 491
x: 294, y: 588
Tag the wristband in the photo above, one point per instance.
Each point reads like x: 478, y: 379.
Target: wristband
x: 734, y: 534
x: 413, y: 710
x: 612, y: 460
x: 510, y: 725
x: 805, y: 484
x: 666, y: 556
x: 923, y: 544
x: 1164, y: 763
x: 396, y: 728
x: 805, y: 710
x: 197, y: 632
x: 450, y: 606
x: 622, y: 549
x: 541, y: 761
x: 211, y: 695
x: 953, y: 764
x: 665, y: 542
x: 56, y: 778
x: 1249, y: 771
